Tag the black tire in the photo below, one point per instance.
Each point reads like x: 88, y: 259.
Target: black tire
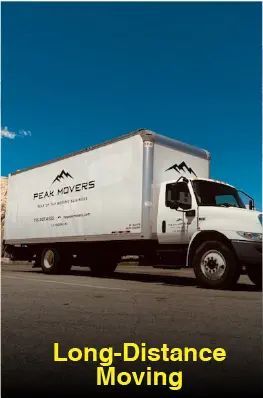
x: 53, y: 262
x: 255, y: 275
x: 215, y: 265
x: 103, y: 266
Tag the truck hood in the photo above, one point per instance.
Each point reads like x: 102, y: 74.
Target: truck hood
x: 229, y: 219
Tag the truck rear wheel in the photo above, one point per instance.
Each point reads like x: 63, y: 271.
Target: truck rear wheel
x: 53, y: 262
x: 255, y: 275
x: 215, y: 265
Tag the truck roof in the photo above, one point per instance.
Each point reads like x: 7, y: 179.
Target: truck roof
x: 212, y: 180
x: 202, y: 179
x: 146, y: 135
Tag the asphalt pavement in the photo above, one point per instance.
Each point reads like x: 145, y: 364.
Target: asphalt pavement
x: 137, y: 304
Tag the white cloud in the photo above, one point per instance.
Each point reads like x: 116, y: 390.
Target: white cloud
x: 6, y: 133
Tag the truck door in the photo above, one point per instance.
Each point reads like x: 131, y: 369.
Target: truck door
x: 176, y: 225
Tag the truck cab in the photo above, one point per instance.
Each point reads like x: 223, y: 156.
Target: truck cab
x: 210, y: 221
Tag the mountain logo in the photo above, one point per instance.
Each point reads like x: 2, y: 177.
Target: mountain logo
x: 182, y: 167
x: 61, y: 176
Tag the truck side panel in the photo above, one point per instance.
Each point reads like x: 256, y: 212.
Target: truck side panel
x: 90, y: 195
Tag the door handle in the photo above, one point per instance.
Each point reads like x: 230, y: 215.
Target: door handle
x: 163, y: 226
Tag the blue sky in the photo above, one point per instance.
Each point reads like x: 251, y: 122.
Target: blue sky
x: 76, y: 74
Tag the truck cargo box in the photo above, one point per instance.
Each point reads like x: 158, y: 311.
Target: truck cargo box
x: 105, y: 192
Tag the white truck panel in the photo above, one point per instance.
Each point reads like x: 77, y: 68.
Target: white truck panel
x: 106, y: 192
x: 106, y: 185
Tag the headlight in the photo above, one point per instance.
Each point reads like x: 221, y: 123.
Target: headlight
x: 250, y: 235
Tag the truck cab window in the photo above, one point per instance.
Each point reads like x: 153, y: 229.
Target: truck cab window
x: 230, y: 200
x: 178, y: 192
x: 210, y: 193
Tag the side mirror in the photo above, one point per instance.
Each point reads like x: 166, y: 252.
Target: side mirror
x: 251, y: 204
x: 176, y: 206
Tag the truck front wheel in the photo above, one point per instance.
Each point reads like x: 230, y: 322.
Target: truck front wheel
x: 215, y: 265
x: 255, y: 275
x: 53, y: 262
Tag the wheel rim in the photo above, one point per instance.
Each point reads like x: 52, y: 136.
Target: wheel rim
x: 213, y: 265
x: 49, y: 259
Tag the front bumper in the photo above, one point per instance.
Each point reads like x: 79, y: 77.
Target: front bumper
x: 248, y: 252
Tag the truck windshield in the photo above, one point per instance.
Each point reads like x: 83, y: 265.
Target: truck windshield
x: 210, y: 193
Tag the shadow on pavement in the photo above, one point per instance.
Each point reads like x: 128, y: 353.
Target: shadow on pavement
x: 172, y: 280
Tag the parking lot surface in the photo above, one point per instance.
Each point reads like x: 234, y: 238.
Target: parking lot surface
x: 137, y: 304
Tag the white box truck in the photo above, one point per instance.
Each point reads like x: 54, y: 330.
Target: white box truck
x: 140, y: 194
